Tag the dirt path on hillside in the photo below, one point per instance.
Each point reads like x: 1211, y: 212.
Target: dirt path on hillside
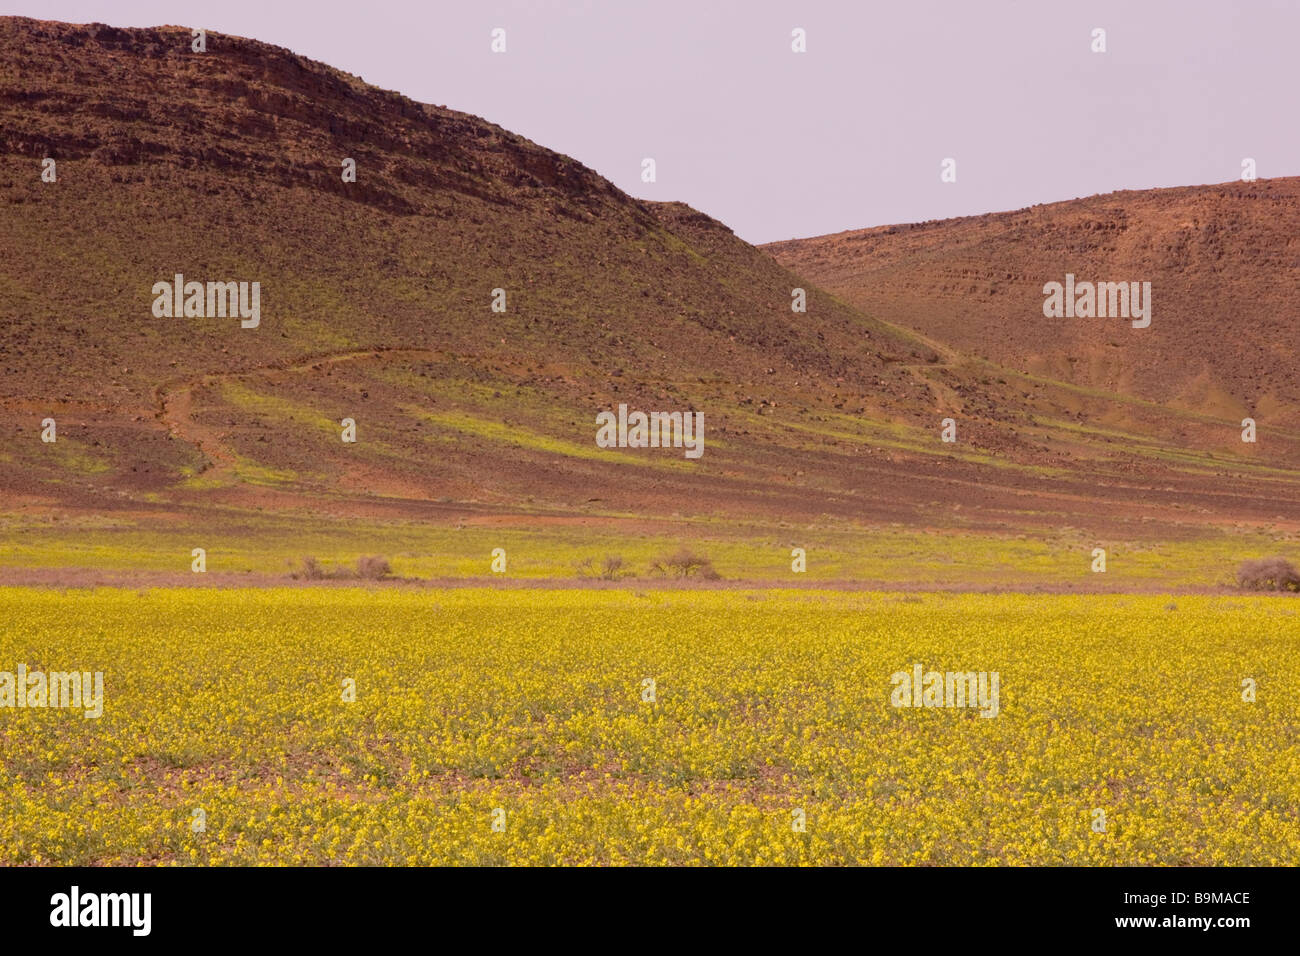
x: 174, y: 401
x: 946, y: 397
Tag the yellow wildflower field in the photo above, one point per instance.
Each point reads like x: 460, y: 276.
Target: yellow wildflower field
x: 484, y: 726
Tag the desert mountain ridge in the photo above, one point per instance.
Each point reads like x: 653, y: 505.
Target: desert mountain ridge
x: 1222, y: 261
x: 376, y: 305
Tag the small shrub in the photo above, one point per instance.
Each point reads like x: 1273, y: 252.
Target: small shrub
x: 310, y: 571
x: 1268, y: 574
x: 374, y: 568
x: 370, y: 568
x: 610, y: 569
x: 685, y: 563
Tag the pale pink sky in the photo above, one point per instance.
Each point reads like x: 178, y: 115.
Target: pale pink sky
x: 850, y: 134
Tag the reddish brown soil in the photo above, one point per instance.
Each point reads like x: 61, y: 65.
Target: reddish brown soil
x: 375, y: 306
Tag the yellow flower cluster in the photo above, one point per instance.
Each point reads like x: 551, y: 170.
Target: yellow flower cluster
x: 483, y: 726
